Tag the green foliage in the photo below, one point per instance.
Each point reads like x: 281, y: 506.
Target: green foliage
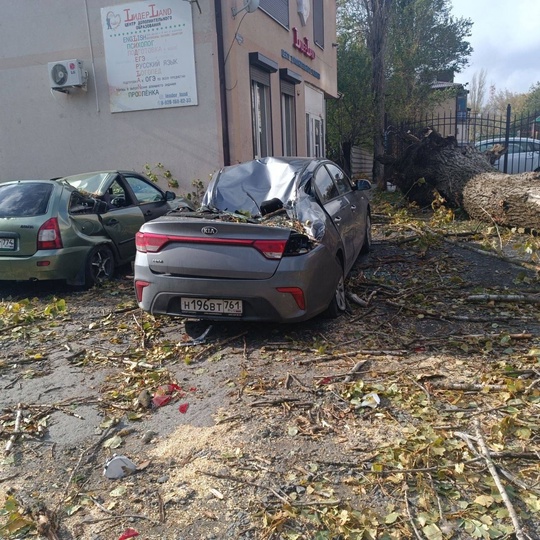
x: 532, y: 100
x: 350, y: 118
x: 27, y: 311
x: 424, y: 39
x: 159, y: 172
x: 17, y: 524
x: 197, y: 194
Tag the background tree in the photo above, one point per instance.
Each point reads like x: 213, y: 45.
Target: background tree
x: 350, y: 118
x: 425, y: 41
x: 477, y: 91
x: 532, y: 99
x: 404, y: 44
x: 377, y: 18
x: 499, y: 100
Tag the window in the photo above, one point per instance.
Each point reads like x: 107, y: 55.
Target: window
x: 24, y: 199
x: 288, y: 119
x: 81, y: 204
x: 314, y: 135
x: 260, y: 112
x: 318, y: 22
x: 144, y: 192
x: 277, y: 9
x: 325, y: 186
x: 341, y: 181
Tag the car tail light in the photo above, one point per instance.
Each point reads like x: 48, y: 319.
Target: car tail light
x: 153, y: 243
x: 271, y: 249
x: 49, y: 235
x: 298, y: 244
x: 296, y: 293
x: 139, y: 287
x: 145, y: 242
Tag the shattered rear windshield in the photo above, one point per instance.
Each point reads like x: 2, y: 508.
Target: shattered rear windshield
x: 25, y: 199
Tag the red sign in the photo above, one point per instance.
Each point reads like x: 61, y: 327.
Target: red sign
x: 302, y: 45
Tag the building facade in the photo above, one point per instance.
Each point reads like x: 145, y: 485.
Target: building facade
x: 191, y: 84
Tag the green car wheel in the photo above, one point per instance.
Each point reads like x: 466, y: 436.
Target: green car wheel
x: 99, y: 265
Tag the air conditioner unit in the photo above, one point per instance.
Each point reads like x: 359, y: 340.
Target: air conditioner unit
x: 66, y: 73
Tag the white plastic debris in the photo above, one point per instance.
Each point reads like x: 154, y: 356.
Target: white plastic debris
x: 118, y: 467
x: 371, y: 400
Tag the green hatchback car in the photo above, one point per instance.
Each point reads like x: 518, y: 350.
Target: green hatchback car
x: 78, y: 228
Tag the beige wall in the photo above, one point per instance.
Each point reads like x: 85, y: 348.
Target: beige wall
x: 45, y: 134
x: 258, y: 32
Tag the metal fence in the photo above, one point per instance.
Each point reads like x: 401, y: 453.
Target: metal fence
x: 520, y: 135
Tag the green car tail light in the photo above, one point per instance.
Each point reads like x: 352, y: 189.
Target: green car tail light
x: 49, y: 236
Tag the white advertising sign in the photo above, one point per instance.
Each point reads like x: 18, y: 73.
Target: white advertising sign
x: 150, y: 55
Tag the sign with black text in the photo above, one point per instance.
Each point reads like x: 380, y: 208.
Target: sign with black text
x: 150, y: 55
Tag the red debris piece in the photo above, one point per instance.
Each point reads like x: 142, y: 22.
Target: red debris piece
x: 159, y: 401
x: 166, y: 389
x: 164, y: 394
x: 183, y: 408
x: 128, y: 533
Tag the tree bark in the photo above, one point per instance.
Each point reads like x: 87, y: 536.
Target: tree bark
x: 378, y: 12
x: 511, y: 200
x: 466, y: 179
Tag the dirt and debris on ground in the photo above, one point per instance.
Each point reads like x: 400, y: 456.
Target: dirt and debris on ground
x: 413, y: 415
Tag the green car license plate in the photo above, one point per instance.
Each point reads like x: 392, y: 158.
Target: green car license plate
x: 211, y: 305
x: 7, y: 244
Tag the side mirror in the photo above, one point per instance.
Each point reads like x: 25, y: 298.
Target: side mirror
x: 363, y: 185
x: 170, y: 195
x: 100, y: 207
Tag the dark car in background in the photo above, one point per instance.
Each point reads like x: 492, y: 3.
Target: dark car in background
x: 78, y: 228
x: 273, y: 241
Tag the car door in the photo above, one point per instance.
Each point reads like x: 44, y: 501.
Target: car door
x: 517, y: 158
x: 533, y: 155
x: 151, y: 200
x: 338, y: 208
x: 123, y: 218
x: 357, y: 203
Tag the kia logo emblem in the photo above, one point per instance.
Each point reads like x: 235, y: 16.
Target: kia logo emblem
x: 209, y: 230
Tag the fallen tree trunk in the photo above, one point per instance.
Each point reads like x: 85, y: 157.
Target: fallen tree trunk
x: 466, y: 179
x: 513, y: 200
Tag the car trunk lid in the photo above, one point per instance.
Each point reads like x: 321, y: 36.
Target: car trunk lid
x: 212, y: 248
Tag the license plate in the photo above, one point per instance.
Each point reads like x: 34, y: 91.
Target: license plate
x: 7, y: 244
x: 211, y: 305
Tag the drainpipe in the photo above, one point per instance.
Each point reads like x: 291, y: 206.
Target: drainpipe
x: 222, y: 85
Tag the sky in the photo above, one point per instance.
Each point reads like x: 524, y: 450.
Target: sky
x: 506, y: 42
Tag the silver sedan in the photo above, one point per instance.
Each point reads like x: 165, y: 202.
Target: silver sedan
x: 273, y: 240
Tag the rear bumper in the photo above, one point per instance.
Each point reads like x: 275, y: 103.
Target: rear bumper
x: 261, y: 299
x: 61, y: 264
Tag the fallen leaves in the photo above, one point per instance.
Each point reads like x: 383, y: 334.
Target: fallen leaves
x: 363, y: 427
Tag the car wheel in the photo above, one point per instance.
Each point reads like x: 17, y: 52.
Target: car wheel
x: 366, y: 246
x: 339, y: 301
x: 99, y: 265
